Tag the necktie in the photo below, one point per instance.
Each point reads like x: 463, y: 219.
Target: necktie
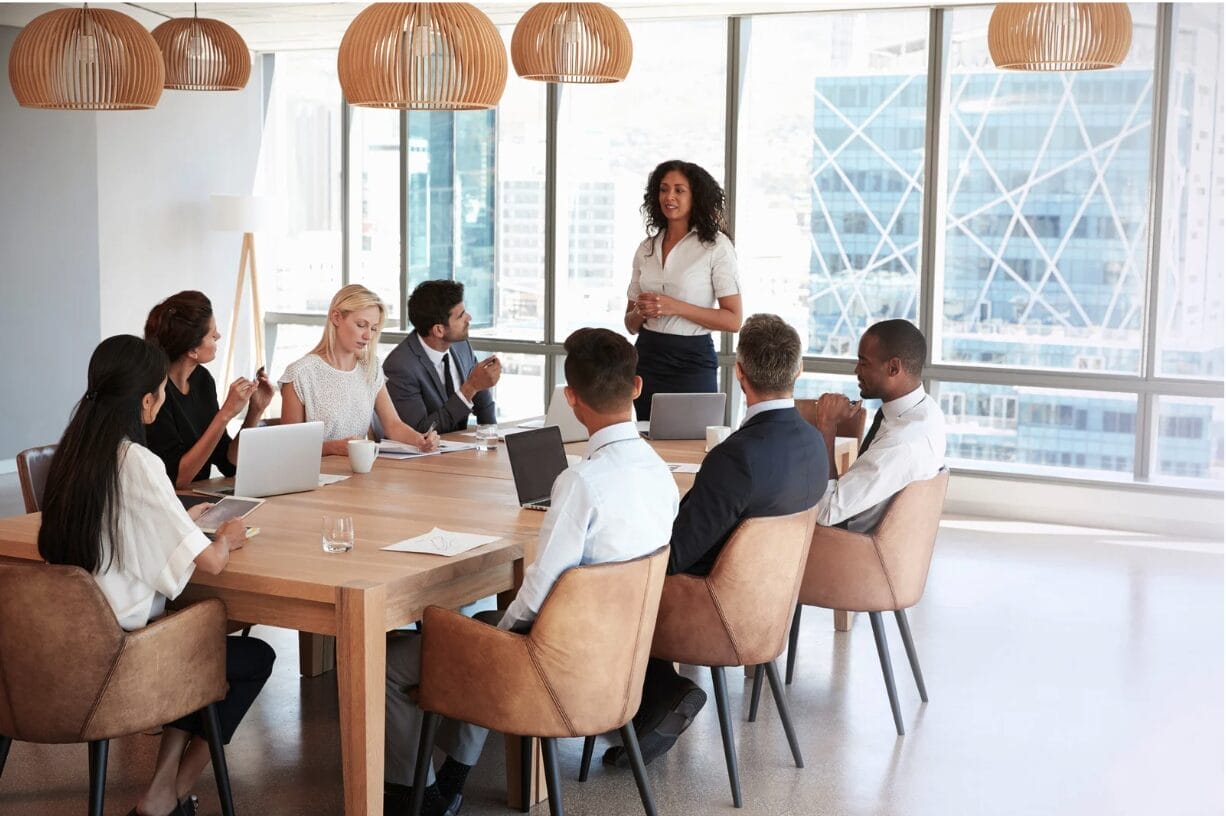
x: 872, y: 431
x: 448, y: 383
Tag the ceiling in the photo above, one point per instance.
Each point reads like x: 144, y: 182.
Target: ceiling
x: 275, y: 26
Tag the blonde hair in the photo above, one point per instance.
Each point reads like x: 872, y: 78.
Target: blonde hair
x: 353, y: 298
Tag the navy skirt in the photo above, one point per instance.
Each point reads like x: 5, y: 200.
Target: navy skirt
x: 673, y: 364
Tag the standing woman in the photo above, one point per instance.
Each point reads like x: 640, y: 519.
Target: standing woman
x: 189, y: 434
x: 684, y: 283
x: 109, y: 510
x: 340, y: 381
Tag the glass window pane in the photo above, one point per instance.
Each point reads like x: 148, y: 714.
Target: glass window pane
x: 1190, y: 294
x: 610, y: 137
x: 1189, y: 442
x: 374, y: 204
x: 1047, y: 431
x: 300, y: 170
x: 830, y: 180
x: 1046, y: 197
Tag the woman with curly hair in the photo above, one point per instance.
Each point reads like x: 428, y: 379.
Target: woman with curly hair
x: 683, y: 285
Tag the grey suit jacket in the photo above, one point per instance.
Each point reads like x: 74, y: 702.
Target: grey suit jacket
x: 417, y: 390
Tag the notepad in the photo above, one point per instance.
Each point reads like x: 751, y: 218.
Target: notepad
x: 441, y: 542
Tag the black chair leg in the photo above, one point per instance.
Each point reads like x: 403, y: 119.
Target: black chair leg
x: 904, y: 629
x: 217, y: 752
x: 887, y: 671
x: 589, y: 744
x: 5, y: 744
x: 425, y: 755
x: 631, y: 741
x: 756, y: 694
x: 525, y: 774
x: 553, y: 779
x: 725, y: 729
x: 793, y: 641
x: 785, y: 713
x: 97, y: 775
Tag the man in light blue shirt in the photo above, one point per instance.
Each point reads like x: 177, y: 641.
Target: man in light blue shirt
x: 615, y: 505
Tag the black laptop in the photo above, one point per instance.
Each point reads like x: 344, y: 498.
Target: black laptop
x: 537, y: 457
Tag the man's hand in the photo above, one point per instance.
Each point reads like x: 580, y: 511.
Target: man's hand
x: 831, y: 409
x: 485, y: 374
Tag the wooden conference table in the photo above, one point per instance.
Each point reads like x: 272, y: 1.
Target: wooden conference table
x: 283, y: 577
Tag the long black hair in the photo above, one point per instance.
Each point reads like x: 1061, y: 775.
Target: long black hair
x: 707, y: 216
x: 81, y: 498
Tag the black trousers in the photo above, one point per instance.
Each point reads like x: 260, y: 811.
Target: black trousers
x: 659, y: 687
x: 673, y: 364
x: 248, y: 665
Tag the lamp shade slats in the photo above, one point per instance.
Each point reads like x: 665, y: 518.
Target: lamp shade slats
x: 85, y: 59
x: 1059, y: 36
x: 422, y: 56
x: 203, y: 55
x: 572, y: 42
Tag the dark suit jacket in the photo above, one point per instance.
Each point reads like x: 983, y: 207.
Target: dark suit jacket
x: 417, y: 391
x: 775, y: 465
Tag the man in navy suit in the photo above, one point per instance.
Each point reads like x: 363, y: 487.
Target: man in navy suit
x: 433, y: 377
x: 774, y: 465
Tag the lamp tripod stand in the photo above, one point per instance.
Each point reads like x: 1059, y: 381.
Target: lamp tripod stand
x: 246, y: 258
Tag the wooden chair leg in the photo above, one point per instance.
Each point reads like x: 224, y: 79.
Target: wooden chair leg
x: 785, y: 713
x: 97, y: 775
x: 725, y: 729
x: 631, y: 741
x: 887, y: 671
x: 793, y: 642
x: 553, y: 779
x: 756, y: 694
x: 425, y: 754
x: 5, y: 744
x: 589, y: 744
x: 217, y: 751
x: 526, y: 767
x: 904, y: 629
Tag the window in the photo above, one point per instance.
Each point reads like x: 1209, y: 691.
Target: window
x: 374, y: 205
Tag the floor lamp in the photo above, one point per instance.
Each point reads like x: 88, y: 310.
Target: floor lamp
x: 248, y: 215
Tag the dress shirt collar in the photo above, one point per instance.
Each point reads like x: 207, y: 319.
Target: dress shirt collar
x: 767, y: 405
x: 618, y: 432
x: 895, y: 408
x: 435, y: 356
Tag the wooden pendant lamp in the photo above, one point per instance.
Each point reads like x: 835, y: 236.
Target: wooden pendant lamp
x: 1059, y: 36
x: 572, y: 42
x: 85, y: 59
x: 203, y: 54
x: 422, y: 56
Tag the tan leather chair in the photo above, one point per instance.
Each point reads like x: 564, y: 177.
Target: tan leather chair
x: 738, y: 615
x: 32, y: 467
x: 882, y: 571
x: 578, y: 672
x: 69, y: 673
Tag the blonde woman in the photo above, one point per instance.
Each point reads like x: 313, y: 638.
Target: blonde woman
x: 341, y: 383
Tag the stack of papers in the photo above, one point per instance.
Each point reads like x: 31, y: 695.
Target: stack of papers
x: 390, y: 449
x: 682, y: 467
x: 441, y: 542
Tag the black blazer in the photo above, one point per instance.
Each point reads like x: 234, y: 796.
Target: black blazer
x: 417, y: 390
x: 774, y: 465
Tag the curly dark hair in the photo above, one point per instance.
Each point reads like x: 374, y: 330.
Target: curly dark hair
x: 707, y: 216
x: 179, y: 323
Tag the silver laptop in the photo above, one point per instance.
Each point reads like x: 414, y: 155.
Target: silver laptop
x: 278, y: 459
x: 537, y: 457
x: 685, y: 416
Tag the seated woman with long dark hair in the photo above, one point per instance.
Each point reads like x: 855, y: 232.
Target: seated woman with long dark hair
x: 109, y: 509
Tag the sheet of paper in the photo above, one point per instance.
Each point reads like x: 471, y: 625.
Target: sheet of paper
x: 441, y: 542
x: 328, y: 478
x: 682, y: 467
x: 390, y: 449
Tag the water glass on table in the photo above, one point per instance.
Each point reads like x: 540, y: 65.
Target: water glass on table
x: 487, y: 437
x: 336, y: 534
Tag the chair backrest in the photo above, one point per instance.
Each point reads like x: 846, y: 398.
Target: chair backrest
x: 59, y: 641
x: 592, y: 639
x: 853, y: 427
x: 32, y: 467
x: 906, y: 535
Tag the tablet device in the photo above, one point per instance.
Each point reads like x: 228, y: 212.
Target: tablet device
x: 226, y: 509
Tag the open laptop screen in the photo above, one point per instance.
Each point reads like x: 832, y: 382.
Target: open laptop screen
x: 537, y: 457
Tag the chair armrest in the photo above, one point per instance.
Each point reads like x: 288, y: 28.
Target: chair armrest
x: 170, y: 668
x: 844, y: 571
x: 689, y: 628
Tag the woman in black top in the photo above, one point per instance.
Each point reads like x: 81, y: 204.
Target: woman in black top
x: 189, y: 434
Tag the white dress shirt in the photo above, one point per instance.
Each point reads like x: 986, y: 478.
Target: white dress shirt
x: 445, y: 358
x: 909, y: 446
x: 158, y: 541
x: 617, y: 504
x: 766, y: 405
x: 695, y: 272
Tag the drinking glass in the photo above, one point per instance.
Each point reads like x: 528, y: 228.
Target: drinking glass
x: 487, y: 437
x: 336, y: 534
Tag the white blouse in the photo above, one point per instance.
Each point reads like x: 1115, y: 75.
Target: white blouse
x: 344, y: 401
x: 158, y: 541
x: 696, y: 272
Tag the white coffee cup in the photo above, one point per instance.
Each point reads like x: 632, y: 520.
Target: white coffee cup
x: 573, y: 459
x: 362, y: 454
x: 717, y: 434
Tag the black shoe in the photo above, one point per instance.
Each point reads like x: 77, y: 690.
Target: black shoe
x: 659, y: 729
x: 453, y: 807
x: 397, y: 799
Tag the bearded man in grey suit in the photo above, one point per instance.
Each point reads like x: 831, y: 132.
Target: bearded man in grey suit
x: 433, y: 377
